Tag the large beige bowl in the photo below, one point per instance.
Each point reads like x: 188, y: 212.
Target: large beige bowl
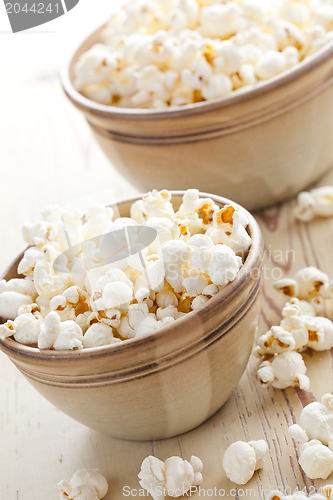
x: 257, y: 147
x: 161, y: 385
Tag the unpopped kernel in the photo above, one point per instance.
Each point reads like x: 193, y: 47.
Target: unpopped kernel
x: 157, y: 54
x: 109, y: 285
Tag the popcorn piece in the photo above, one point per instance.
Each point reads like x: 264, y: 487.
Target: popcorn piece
x: 75, y: 297
x: 307, y: 283
x: 277, y: 495
x: 316, y: 459
x: 195, y: 285
x: 154, y: 204
x: 10, y: 302
x: 175, y: 476
x: 7, y: 329
x: 241, y: 460
x: 47, y: 281
x: 320, y: 331
x: 70, y: 337
x: 285, y: 370
x: 159, y: 54
x: 220, y: 20
x: 223, y: 265
x: 199, y: 301
x: 315, y: 437
x: 298, y: 434
x: 311, y: 282
x: 271, y: 64
x: 317, y: 202
x: 288, y: 286
x: 86, y: 484
x: 174, y: 254
x: 49, y: 331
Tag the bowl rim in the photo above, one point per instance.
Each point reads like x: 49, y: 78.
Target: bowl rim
x: 252, y: 259
x: 245, y: 94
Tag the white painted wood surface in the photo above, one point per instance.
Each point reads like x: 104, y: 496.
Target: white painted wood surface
x: 47, y: 156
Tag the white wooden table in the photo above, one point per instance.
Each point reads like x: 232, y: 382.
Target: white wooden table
x: 48, y: 156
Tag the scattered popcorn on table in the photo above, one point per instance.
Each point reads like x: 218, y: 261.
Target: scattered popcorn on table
x: 302, y: 327
x: 156, y: 54
x: 173, y: 477
x: 86, y: 484
x: 96, y: 280
x: 315, y: 203
x: 241, y: 460
x: 314, y: 434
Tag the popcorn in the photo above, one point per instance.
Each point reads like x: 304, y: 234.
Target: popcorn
x: 10, y: 302
x: 26, y: 329
x: 269, y: 65
x: 99, y: 334
x: 285, y: 370
x: 317, y: 202
x: 159, y: 54
x: 174, y: 477
x: 49, y: 331
x: 220, y: 20
x: 223, y: 265
x: 241, y: 460
x: 123, y: 282
x: 316, y: 459
x: 277, y: 495
x: 307, y: 283
x: 69, y: 337
x: 317, y: 420
x: 315, y: 436
x: 86, y: 484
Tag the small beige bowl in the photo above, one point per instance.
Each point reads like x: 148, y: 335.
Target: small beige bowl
x: 166, y: 383
x: 257, y: 147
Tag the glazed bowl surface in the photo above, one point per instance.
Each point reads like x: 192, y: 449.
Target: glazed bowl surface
x: 258, y: 146
x: 163, y: 384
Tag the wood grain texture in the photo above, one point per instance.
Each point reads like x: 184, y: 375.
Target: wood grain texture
x: 47, y: 156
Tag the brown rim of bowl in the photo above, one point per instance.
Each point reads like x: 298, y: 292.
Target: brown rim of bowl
x: 248, y: 94
x: 251, y: 261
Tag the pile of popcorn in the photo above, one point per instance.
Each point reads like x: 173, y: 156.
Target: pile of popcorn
x: 97, y: 280
x: 162, y: 53
x: 302, y: 327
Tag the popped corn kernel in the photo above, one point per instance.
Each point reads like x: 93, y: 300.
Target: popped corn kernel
x: 175, y: 476
x: 241, y: 460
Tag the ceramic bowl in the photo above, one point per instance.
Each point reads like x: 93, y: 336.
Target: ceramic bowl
x: 257, y: 146
x: 165, y: 383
